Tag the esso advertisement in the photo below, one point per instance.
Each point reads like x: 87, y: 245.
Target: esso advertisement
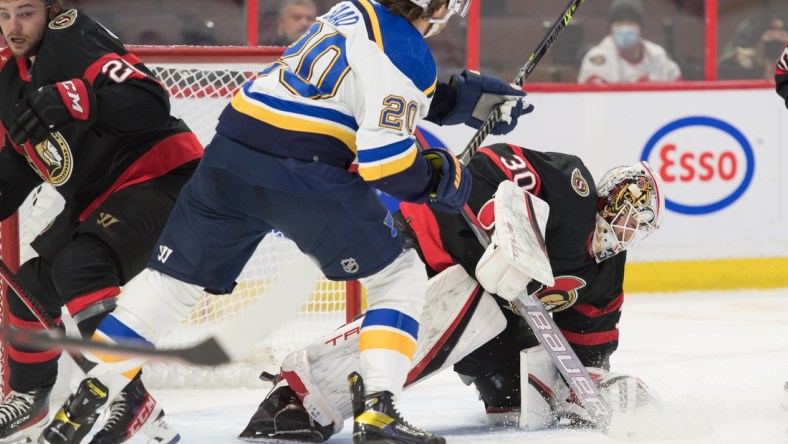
x: 706, y: 164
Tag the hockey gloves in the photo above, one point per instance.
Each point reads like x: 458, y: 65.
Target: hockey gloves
x: 51, y: 107
x: 454, y: 183
x: 478, y: 95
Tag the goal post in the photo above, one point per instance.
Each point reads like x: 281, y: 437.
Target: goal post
x: 201, y: 81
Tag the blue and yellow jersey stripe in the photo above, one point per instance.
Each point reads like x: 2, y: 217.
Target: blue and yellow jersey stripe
x: 378, y: 163
x: 389, y: 329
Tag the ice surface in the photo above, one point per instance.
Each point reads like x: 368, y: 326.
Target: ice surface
x: 721, y: 354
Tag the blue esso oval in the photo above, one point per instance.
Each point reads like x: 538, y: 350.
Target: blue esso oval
x: 706, y: 164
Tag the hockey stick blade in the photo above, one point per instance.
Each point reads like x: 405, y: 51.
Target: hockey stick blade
x: 230, y: 342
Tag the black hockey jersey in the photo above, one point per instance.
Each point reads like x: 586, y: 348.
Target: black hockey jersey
x: 781, y: 75
x: 587, y: 296
x: 134, y: 138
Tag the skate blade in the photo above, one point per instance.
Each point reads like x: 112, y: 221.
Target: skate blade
x: 27, y: 435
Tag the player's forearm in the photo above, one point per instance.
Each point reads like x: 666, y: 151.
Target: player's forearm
x: 127, y: 108
x: 413, y: 184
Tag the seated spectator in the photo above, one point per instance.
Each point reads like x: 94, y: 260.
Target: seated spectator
x: 624, y: 55
x: 753, y: 58
x: 295, y: 17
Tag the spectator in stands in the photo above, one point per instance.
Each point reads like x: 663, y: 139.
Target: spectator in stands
x: 295, y: 16
x: 752, y: 50
x: 624, y: 55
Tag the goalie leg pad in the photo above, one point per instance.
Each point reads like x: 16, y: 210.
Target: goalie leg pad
x: 625, y: 395
x: 318, y: 373
x: 542, y: 388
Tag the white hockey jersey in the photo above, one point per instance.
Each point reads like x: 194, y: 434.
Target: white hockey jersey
x: 604, y: 64
x: 350, y: 91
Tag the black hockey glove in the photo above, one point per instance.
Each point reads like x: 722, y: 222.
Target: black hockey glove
x: 51, y: 107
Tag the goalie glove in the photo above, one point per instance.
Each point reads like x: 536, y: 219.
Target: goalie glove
x: 50, y: 108
x: 478, y: 95
x: 516, y: 254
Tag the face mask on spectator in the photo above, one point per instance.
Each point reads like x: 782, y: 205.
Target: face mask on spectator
x: 626, y: 36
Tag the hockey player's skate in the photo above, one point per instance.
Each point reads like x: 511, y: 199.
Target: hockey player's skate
x: 376, y: 421
x: 23, y: 415
x: 75, y: 419
x: 135, y: 410
x: 282, y: 416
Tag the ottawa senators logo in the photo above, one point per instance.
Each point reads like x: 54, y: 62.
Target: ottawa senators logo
x: 579, y: 183
x: 562, y: 295
x: 64, y: 20
x: 52, y: 159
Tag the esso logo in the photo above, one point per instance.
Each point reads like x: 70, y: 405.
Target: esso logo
x: 706, y: 164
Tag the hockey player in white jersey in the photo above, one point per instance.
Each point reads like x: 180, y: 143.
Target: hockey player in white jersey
x: 300, y: 149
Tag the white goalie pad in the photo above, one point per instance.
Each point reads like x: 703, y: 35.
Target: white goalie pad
x: 517, y: 253
x: 540, y: 387
x: 318, y: 373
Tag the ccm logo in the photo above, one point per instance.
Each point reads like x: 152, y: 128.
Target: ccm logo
x: 706, y: 164
x: 73, y: 94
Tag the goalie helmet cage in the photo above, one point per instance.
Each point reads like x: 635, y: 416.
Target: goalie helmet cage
x: 201, y: 81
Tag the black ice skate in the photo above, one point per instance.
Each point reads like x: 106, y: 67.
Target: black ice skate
x: 135, y: 410
x: 281, y: 416
x: 23, y: 415
x: 376, y: 420
x: 75, y: 419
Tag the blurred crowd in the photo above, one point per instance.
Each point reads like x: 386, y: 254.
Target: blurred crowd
x: 608, y: 41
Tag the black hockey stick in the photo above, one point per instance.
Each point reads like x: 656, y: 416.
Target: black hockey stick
x: 39, y: 312
x: 522, y: 76
x: 230, y: 342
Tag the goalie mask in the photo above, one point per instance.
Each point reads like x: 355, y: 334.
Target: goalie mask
x: 630, y: 208
x: 459, y: 7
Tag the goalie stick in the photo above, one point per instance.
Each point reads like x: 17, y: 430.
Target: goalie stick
x: 231, y: 340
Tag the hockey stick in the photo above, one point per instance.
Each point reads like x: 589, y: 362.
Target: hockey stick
x: 535, y: 314
x: 39, y: 312
x: 522, y: 76
x: 231, y: 340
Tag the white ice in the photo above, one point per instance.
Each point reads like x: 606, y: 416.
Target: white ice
x: 720, y: 354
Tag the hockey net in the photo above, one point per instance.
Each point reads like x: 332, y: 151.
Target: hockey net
x: 201, y: 81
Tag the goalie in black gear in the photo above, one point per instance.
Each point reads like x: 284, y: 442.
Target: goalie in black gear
x: 478, y: 332
x: 86, y: 116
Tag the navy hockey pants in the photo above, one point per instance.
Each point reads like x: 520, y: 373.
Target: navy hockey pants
x: 238, y: 195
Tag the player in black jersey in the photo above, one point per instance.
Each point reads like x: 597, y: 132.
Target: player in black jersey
x: 85, y: 116
x: 587, y: 232
x: 781, y: 75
